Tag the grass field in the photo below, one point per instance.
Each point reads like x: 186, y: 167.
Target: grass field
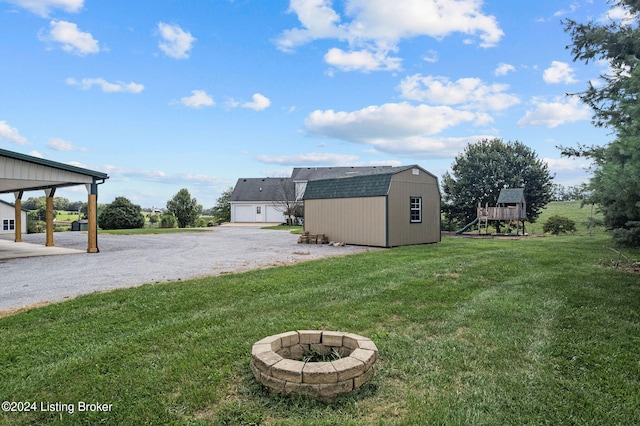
x: 470, y: 331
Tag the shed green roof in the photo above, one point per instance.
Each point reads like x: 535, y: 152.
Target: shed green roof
x: 349, y: 187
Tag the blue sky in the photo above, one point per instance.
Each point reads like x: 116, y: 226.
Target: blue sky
x: 170, y: 94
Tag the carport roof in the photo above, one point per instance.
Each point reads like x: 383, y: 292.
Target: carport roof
x: 20, y: 172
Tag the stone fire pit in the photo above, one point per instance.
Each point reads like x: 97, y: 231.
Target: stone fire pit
x: 284, y: 362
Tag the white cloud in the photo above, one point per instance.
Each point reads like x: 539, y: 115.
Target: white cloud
x: 398, y: 128
x: 58, y: 144
x: 11, y: 134
x: 469, y: 93
x: 107, y: 87
x: 559, y: 72
x: 310, y: 158
x: 176, y: 42
x: 566, y: 164
x: 71, y: 38
x: 258, y: 103
x: 198, y: 99
x: 504, y: 69
x: 376, y: 27
x: 572, y: 8
x: 617, y: 13
x: 35, y: 153
x: 44, y: 7
x: 554, y: 114
x: 431, y: 57
x: 124, y: 174
x: 361, y: 60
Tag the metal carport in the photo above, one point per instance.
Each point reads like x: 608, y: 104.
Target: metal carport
x: 20, y: 173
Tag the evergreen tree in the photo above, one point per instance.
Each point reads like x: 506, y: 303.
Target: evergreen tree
x: 616, y: 182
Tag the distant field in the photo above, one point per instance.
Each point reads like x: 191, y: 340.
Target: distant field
x: 573, y: 211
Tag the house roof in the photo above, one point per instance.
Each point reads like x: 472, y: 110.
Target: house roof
x: 511, y: 196
x: 260, y: 189
x: 314, y: 173
x: 370, y: 185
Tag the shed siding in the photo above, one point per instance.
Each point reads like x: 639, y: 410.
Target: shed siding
x: 359, y: 221
x: 405, y: 185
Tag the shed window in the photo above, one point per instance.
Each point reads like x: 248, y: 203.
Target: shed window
x: 416, y: 209
x: 8, y: 225
x: 258, y: 210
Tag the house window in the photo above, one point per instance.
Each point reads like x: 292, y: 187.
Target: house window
x: 416, y: 209
x: 259, y: 210
x: 8, y: 224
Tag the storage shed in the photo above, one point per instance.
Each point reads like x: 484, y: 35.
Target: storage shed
x: 397, y: 207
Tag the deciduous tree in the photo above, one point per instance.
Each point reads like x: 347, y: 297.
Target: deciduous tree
x: 184, y: 208
x: 484, y: 168
x: 223, y: 208
x: 121, y: 214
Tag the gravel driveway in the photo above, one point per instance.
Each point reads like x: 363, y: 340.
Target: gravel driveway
x: 132, y: 260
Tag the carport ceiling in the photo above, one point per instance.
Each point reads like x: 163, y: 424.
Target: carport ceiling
x: 19, y: 172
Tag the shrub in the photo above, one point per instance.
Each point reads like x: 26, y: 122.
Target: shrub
x: 559, y: 225
x: 168, y: 221
x: 121, y: 214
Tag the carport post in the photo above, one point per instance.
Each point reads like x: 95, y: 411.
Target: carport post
x: 92, y: 213
x: 18, y: 221
x: 50, y: 192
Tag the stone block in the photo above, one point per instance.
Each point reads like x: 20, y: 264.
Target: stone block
x: 298, y: 351
x: 319, y: 372
x: 350, y: 340
x: 367, y: 357
x: 289, y: 338
x: 367, y: 344
x: 288, y: 370
x: 332, y: 389
x: 332, y: 338
x: 348, y: 368
x: 265, y: 360
x: 272, y: 383
x: 364, y: 378
x: 255, y: 371
x: 259, y: 348
x: 284, y: 352
x: 320, y: 348
x: 310, y: 336
x: 303, y: 389
x: 274, y: 341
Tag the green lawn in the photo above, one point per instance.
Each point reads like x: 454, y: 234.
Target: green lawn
x: 470, y: 331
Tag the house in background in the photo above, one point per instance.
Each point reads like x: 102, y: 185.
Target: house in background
x: 8, y: 219
x: 256, y: 200
x: 398, y: 206
x: 263, y: 200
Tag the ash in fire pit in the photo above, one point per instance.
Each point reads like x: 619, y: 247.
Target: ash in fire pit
x: 321, y: 364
